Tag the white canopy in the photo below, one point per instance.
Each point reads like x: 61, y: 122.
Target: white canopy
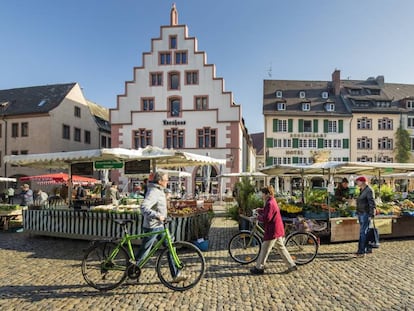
x: 7, y: 179
x: 161, y: 157
x: 243, y: 174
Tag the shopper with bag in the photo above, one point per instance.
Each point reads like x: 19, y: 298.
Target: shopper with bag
x: 365, y: 211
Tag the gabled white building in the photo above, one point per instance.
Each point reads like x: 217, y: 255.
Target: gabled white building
x: 176, y: 101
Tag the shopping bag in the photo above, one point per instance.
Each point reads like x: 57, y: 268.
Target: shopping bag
x: 373, y: 237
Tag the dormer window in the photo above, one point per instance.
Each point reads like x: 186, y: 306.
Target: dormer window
x: 330, y: 107
x: 302, y: 94
x: 410, y: 104
x: 324, y: 95
x: 281, y: 106
x: 306, y: 106
x: 279, y: 94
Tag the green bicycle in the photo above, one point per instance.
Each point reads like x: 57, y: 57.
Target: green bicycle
x: 106, y: 264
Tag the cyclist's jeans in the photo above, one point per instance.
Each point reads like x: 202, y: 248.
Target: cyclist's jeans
x: 363, y: 220
x: 146, y: 247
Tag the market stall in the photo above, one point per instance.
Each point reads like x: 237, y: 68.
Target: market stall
x: 97, y: 222
x: 395, y: 218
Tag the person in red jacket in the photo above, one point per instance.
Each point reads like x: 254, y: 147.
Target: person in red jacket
x: 274, y: 233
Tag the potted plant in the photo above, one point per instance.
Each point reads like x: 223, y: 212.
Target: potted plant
x: 244, y: 190
x: 200, y: 230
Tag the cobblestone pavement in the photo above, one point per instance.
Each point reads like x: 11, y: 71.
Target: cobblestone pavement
x: 43, y: 273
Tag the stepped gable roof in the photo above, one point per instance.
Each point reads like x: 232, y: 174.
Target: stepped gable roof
x: 34, y: 99
x: 290, y: 96
x: 258, y: 142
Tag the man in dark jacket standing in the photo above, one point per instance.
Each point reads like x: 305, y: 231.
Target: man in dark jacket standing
x: 365, y: 211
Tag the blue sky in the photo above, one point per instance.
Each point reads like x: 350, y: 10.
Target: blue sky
x: 98, y: 42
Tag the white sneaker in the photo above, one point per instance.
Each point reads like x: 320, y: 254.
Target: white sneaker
x: 179, y: 278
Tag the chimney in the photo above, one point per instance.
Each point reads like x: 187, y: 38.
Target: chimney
x: 380, y: 80
x: 336, y: 81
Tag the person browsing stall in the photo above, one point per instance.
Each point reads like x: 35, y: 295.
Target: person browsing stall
x: 274, y: 233
x: 365, y: 211
x: 342, y: 191
x: 154, y: 212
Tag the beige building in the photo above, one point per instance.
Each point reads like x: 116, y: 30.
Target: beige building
x: 339, y: 120
x: 176, y: 101
x: 50, y: 118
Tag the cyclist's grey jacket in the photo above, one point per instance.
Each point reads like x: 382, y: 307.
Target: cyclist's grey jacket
x: 154, y: 206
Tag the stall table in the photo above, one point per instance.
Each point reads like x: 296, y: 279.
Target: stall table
x: 90, y: 225
x: 389, y: 226
x: 6, y: 216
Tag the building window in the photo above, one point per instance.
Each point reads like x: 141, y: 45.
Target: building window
x: 24, y: 129
x: 364, y: 124
x: 206, y: 137
x: 333, y: 143
x: 410, y: 122
x: 173, y: 42
x: 77, y: 112
x: 147, y: 104
x: 385, y: 143
x: 355, y: 92
x: 180, y: 58
x: 156, y: 79
x: 307, y: 143
x: 364, y: 143
x: 385, y: 124
x: 307, y: 126
x: 325, y: 95
x: 279, y: 94
x: 332, y: 126
x: 282, y: 126
x: 410, y: 104
x: 66, y: 131
x: 15, y: 130
x: 174, y: 80
x: 87, y: 137
x: 77, y: 134
x: 191, y: 77
x: 201, y: 103
x: 281, y: 106
x: 330, y: 107
x: 412, y: 143
x: 306, y: 106
x: 282, y: 143
x: 175, y: 107
x: 103, y: 142
x: 302, y: 94
x: 142, y: 138
x: 165, y: 58
x: 174, y: 138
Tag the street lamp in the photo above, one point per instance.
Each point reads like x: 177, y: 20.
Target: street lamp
x: 3, y: 107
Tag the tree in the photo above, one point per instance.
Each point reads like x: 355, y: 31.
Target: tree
x: 402, y: 143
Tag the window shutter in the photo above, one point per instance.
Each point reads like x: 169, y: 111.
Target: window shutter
x: 274, y: 125
x: 325, y: 126
x: 295, y: 142
x: 295, y: 160
x: 346, y: 159
x: 345, y: 143
x: 269, y: 161
x: 300, y: 125
x: 320, y: 143
x: 315, y: 126
x: 341, y: 126
x: 269, y: 142
x: 290, y: 125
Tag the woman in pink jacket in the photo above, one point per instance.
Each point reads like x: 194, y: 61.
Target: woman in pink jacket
x: 274, y: 233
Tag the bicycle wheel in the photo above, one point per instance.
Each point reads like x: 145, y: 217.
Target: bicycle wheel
x: 244, y: 247
x: 302, y: 247
x: 193, y: 268
x: 101, y: 272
